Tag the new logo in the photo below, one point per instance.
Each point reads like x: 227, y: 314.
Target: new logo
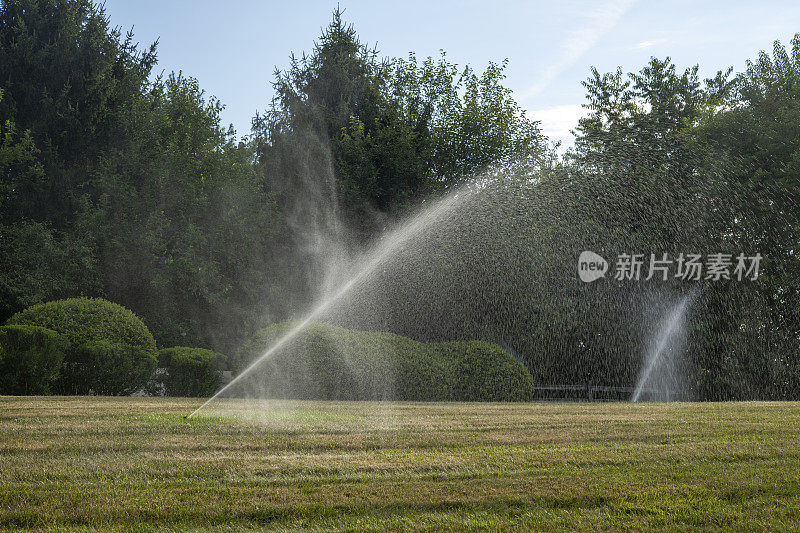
x: 591, y: 266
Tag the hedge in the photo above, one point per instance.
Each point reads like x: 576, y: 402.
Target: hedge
x: 110, y: 350
x: 30, y: 359
x: 106, y: 368
x: 190, y: 371
x: 489, y: 373
x: 327, y: 362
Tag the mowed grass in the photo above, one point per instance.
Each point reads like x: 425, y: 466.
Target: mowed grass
x: 121, y: 463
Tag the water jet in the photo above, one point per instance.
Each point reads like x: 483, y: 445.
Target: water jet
x: 666, y: 343
x: 385, y: 248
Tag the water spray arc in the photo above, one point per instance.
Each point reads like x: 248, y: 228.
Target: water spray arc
x: 391, y: 244
x: 673, y: 323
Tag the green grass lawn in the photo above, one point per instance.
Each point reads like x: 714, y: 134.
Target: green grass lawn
x: 112, y: 463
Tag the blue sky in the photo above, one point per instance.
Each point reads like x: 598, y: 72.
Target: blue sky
x: 550, y: 45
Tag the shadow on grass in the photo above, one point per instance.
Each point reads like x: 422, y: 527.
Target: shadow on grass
x: 308, y: 513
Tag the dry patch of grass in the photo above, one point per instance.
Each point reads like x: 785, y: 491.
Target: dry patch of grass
x: 111, y: 463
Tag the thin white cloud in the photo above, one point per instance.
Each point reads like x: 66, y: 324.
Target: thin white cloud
x: 648, y: 44
x: 601, y: 21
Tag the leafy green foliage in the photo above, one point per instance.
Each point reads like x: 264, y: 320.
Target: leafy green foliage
x: 30, y: 359
x: 128, y: 187
x: 106, y: 368
x: 185, y: 226
x: 330, y: 362
x: 757, y: 137
x: 122, y: 186
x: 486, y: 372
x: 39, y: 263
x: 82, y: 320
x: 396, y: 130
x: 68, y: 76
x: 665, y: 163
x: 191, y: 371
x: 636, y: 179
x: 110, y: 350
x: 467, y: 121
x: 23, y: 173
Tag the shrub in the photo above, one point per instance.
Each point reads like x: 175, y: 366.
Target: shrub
x: 110, y: 350
x: 107, y: 368
x: 327, y: 362
x: 324, y: 362
x: 190, y: 371
x: 486, y: 372
x: 30, y: 358
x: 89, y: 319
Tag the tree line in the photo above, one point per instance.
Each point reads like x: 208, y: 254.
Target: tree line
x: 122, y: 184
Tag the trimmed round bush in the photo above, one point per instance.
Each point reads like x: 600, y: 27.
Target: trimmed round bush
x: 110, y: 350
x: 190, y: 371
x: 89, y: 319
x: 30, y: 359
x: 327, y: 362
x: 487, y: 372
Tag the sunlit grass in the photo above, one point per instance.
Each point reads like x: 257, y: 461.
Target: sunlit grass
x: 85, y: 463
